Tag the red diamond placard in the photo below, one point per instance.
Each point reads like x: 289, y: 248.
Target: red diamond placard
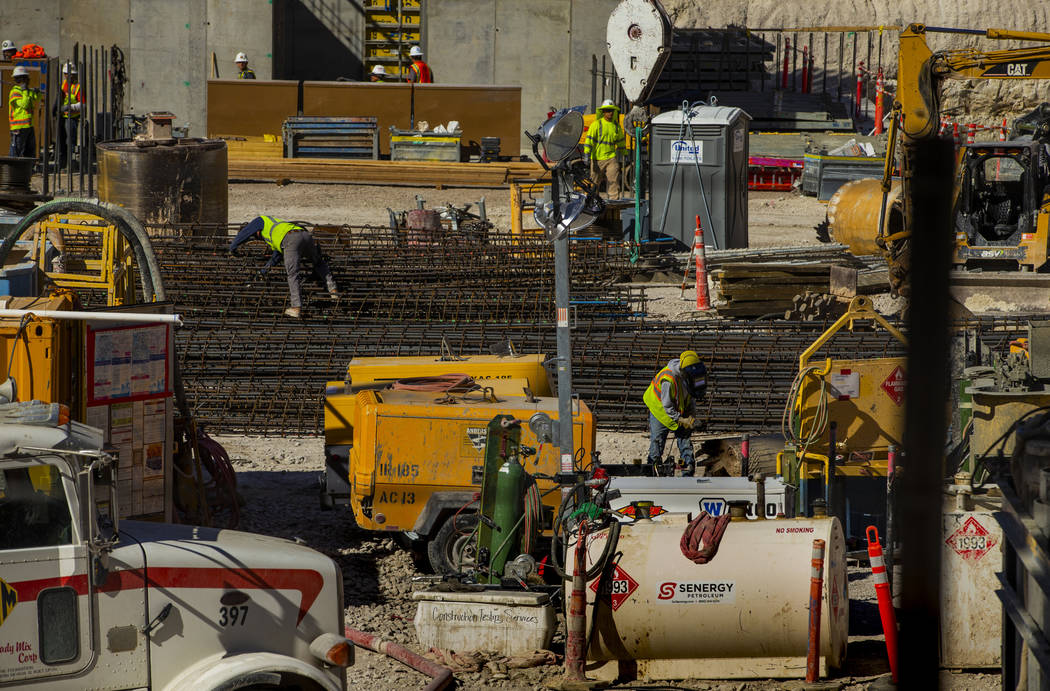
x: 615, y: 589
x: 894, y: 385
x: 972, y: 540
x: 653, y: 511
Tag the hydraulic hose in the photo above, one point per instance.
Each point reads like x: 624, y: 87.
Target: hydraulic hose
x: 440, y: 676
x: 556, y: 546
x: 121, y: 218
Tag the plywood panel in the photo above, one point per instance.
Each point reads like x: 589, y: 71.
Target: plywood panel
x: 250, y: 108
x: 482, y: 111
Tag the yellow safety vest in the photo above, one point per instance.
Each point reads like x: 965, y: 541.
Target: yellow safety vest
x: 20, y: 107
x: 680, y: 399
x: 274, y: 230
x: 72, y: 95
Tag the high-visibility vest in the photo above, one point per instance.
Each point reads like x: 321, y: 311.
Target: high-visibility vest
x: 679, y: 397
x: 422, y: 72
x: 72, y: 95
x: 246, y: 74
x: 604, y: 140
x: 20, y: 107
x: 274, y: 230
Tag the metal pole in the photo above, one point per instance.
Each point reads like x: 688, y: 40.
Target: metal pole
x: 603, y: 78
x: 824, y: 67
x: 561, y: 300
x: 79, y: 124
x: 47, y: 127
x: 68, y: 126
x: 636, y: 251
x: 594, y: 83
x: 90, y: 124
x: 929, y: 165
x: 838, y: 86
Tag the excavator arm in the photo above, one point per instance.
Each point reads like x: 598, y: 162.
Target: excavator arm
x: 920, y: 71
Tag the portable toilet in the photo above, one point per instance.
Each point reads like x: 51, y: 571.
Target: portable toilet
x: 697, y: 154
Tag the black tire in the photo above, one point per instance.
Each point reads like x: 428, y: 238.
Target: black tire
x: 452, y: 549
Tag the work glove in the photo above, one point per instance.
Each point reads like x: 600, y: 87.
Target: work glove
x: 686, y: 422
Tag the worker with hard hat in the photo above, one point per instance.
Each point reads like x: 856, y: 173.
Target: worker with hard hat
x: 8, y: 49
x: 378, y: 74
x: 241, y: 60
x: 69, y: 108
x: 605, y: 144
x: 293, y: 242
x: 21, y: 101
x: 671, y: 398
x: 419, y: 72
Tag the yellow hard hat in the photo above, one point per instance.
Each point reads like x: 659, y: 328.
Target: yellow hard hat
x: 688, y: 358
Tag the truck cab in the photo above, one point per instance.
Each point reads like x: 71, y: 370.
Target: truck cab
x: 90, y: 601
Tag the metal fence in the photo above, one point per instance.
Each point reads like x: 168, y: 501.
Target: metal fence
x: 66, y: 148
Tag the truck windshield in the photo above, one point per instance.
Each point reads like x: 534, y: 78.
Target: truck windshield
x: 33, y: 508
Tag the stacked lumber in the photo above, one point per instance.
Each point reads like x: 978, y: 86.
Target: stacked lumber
x: 754, y: 290
x: 253, y: 148
x: 422, y: 173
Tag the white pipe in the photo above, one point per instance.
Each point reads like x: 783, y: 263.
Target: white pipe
x: 136, y: 317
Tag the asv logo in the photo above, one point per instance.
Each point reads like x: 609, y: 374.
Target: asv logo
x: 667, y: 590
x: 715, y: 506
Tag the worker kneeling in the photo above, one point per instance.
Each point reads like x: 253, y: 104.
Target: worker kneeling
x: 293, y: 242
x: 671, y: 399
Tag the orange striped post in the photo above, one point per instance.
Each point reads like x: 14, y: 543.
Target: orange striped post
x: 576, y: 620
x: 971, y: 133
x: 1002, y: 131
x: 879, y: 90
x: 816, y: 590
x: 882, y: 591
x: 703, y: 299
x: 955, y: 133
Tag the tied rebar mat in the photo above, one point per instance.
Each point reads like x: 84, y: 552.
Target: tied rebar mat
x: 249, y: 369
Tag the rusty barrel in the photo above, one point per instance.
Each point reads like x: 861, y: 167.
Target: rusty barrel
x: 167, y: 181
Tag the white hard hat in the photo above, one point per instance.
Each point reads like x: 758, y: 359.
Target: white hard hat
x: 20, y: 71
x: 8, y: 45
x: 415, y: 52
x: 69, y: 68
x: 241, y: 57
x: 607, y: 103
x: 378, y: 69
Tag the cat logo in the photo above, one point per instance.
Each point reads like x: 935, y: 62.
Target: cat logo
x: 8, y: 600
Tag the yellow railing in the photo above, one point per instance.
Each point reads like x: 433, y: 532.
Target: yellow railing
x: 113, y: 271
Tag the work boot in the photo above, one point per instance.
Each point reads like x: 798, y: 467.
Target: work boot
x: 293, y: 312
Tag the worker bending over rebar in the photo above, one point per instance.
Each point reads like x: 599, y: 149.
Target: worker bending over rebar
x: 292, y: 242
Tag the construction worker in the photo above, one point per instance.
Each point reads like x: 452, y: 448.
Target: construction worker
x: 20, y: 104
x: 605, y: 144
x: 241, y: 60
x: 293, y: 242
x: 671, y: 398
x: 419, y: 72
x: 378, y: 74
x: 8, y: 49
x: 69, y: 109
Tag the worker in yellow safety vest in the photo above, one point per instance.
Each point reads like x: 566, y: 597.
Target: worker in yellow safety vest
x: 291, y: 241
x: 20, y: 104
x: 606, y: 144
x: 241, y: 60
x: 671, y: 398
x: 71, y: 104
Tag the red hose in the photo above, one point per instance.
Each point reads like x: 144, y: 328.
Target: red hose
x: 440, y: 676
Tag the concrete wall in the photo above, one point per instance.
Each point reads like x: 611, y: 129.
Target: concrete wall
x: 167, y: 44
x: 544, y: 46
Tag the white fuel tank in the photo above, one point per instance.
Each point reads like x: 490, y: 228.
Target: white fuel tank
x: 744, y: 614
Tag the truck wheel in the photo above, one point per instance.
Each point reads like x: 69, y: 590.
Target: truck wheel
x: 452, y: 549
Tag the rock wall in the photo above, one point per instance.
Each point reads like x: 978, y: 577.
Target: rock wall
x: 985, y: 102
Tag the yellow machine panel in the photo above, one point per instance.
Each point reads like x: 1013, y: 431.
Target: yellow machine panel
x: 507, y: 375
x: 865, y: 400
x: 40, y: 353
x: 409, y: 445
x: 863, y: 397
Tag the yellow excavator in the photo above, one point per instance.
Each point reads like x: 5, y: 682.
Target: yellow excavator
x: 1001, y: 212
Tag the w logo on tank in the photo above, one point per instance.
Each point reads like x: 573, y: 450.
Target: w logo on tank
x: 714, y: 506
x: 8, y: 600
